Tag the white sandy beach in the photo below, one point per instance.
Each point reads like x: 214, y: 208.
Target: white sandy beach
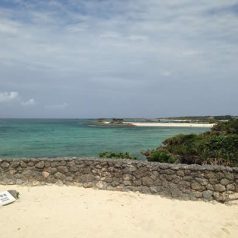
x: 170, y: 124
x: 73, y: 212
x: 166, y: 124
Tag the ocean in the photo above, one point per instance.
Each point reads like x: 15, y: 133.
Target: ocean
x: 77, y: 137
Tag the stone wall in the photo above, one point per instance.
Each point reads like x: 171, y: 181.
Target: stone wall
x: 191, y: 182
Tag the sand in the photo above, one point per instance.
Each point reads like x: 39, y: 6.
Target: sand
x: 167, y: 124
x: 73, y: 212
x: 170, y: 124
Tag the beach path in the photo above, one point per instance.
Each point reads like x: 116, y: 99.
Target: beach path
x: 67, y: 211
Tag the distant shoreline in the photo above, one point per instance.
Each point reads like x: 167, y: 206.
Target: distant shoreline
x: 169, y: 124
x: 165, y: 124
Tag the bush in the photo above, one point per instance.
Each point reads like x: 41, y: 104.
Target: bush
x: 229, y: 127
x: 115, y: 155
x: 219, y: 146
x: 162, y: 157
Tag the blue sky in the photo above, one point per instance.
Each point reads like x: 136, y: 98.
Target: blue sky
x: 102, y: 58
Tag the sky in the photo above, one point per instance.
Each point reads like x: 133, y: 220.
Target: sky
x: 118, y: 58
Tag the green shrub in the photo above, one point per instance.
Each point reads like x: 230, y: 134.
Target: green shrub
x: 229, y: 127
x: 115, y: 155
x: 162, y: 157
x: 219, y: 146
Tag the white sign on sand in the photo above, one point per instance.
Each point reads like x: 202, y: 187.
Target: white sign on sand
x: 6, y: 198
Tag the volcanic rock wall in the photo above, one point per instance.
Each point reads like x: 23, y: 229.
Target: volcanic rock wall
x: 193, y: 182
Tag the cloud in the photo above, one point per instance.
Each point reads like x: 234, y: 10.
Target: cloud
x: 86, y: 52
x: 15, y: 97
x: 29, y: 102
x: 8, y: 96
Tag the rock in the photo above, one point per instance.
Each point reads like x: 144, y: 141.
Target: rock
x: 69, y: 179
x: 147, y: 181
x: 27, y: 173
x: 108, y: 179
x: 101, y: 185
x: 51, y: 170
x: 187, y: 171
x: 231, y: 187
x: 210, y: 187
x: 188, y: 178
x: 40, y: 165
x: 19, y: 181
x: 23, y: 164
x: 115, y: 183
x: 5, y: 164
x: 127, y: 183
x: 117, y: 175
x: 184, y: 184
x: 137, y: 182
x: 14, y: 193
x: 213, y: 181
x: 106, y: 174
x: 207, y: 195
x: 202, y: 181
x: 155, y: 174
x: 88, y: 185
x: 144, y: 189
x: 142, y: 171
x: 59, y: 175
x: 86, y: 178
x: 154, y: 189
x: 7, y: 181
x: 225, y: 181
x: 180, y: 173
x: 12, y: 171
x: 35, y: 183
x: 127, y: 177
x: 15, y: 164
x: 210, y: 175
x: 196, y: 186
x: 194, y: 182
x: 73, y: 169
x: 198, y: 194
x: 175, y: 192
x: 45, y: 174
x: 157, y: 182
x: 131, y: 168
x: 47, y: 164
x: 31, y: 164
x: 233, y: 196
x: 219, y: 188
x: 61, y: 163
x: 229, y: 176
x: 169, y: 172
x: 62, y: 169
x: 71, y: 164
x: 218, y: 197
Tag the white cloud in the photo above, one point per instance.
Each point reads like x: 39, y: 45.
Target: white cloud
x: 29, y: 102
x: 8, y: 96
x: 15, y: 97
x: 102, y: 46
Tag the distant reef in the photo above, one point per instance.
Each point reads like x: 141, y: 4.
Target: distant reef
x: 113, y: 122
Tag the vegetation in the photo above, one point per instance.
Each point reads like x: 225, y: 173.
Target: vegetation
x: 218, y: 146
x: 202, y: 119
x: 114, y: 155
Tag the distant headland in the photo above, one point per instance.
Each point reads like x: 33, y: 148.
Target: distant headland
x: 188, y: 121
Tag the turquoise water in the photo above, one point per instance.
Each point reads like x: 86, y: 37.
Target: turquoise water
x: 52, y: 138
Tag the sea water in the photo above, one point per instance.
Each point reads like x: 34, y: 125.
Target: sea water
x: 77, y: 137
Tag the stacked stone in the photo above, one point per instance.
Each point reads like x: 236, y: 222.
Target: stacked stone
x: 193, y: 182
